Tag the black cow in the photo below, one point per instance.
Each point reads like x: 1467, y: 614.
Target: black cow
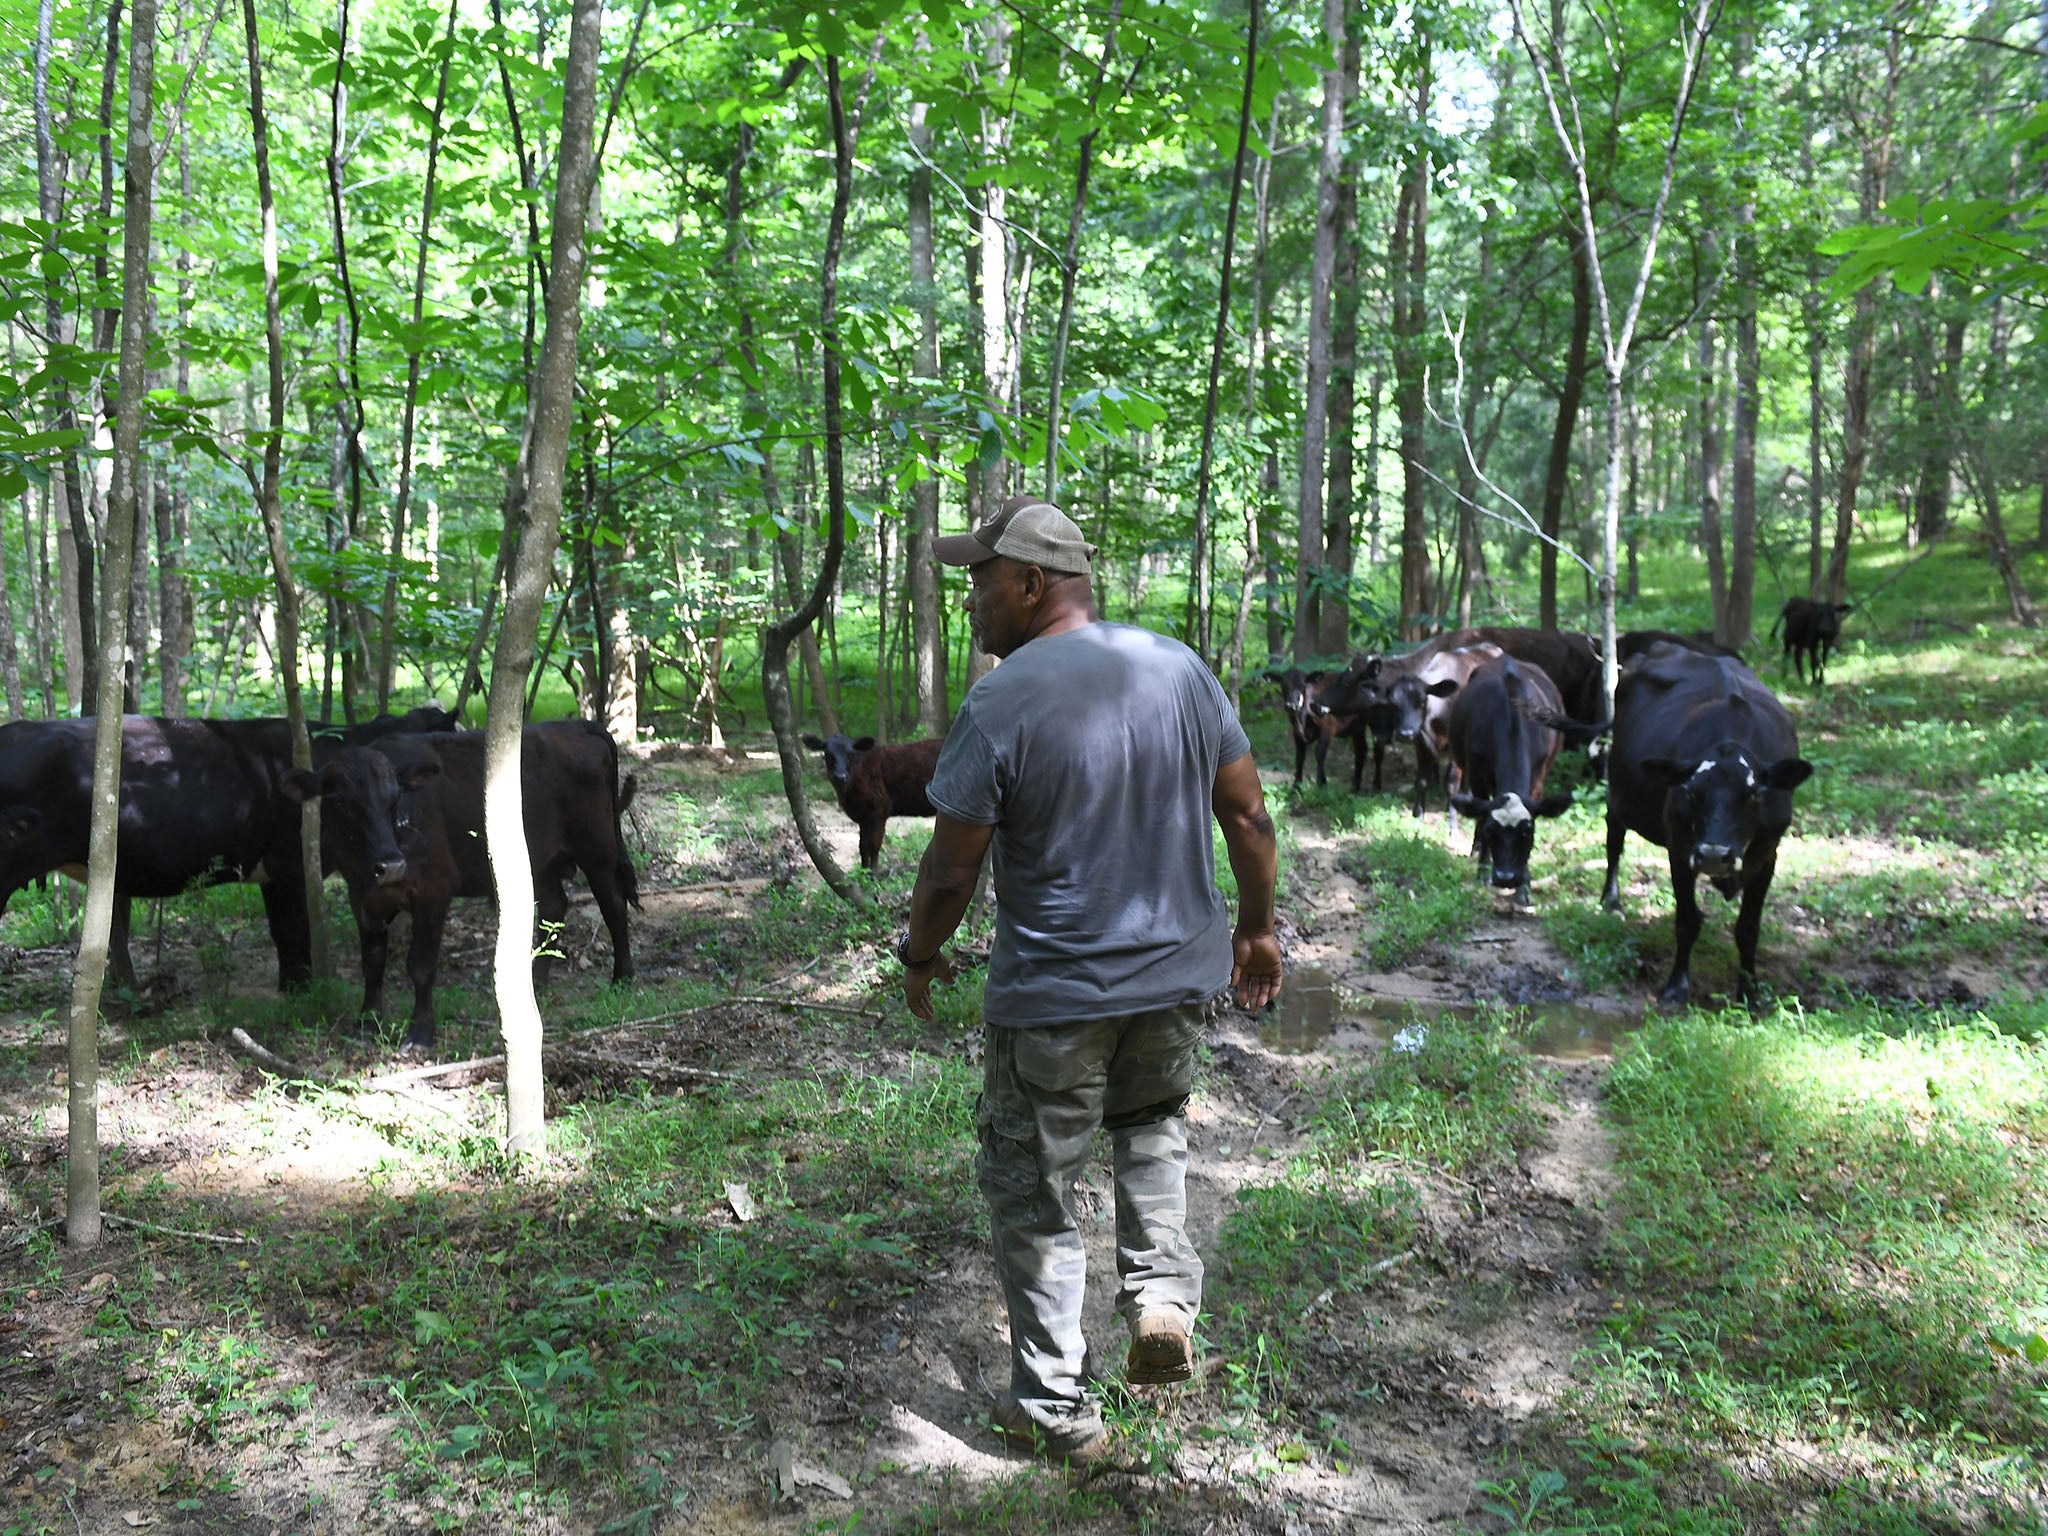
x: 1506, y: 728
x: 403, y: 822
x: 1704, y: 763
x: 203, y: 802
x: 874, y: 783
x: 1628, y: 646
x: 1305, y: 727
x: 1571, y: 660
x: 1811, y: 630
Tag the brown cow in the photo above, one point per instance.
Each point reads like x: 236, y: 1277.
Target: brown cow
x: 403, y: 821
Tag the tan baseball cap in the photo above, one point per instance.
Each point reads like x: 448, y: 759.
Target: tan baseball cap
x: 1028, y: 529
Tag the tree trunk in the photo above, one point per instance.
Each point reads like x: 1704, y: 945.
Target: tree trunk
x: 1315, y: 423
x: 545, y: 451
x: 272, y: 511
x: 1862, y: 359
x: 1570, y: 392
x: 1938, y: 426
x: 76, y: 563
x: 992, y: 244
x: 1334, y: 638
x: 36, y: 580
x: 776, y: 637
x: 1056, y: 368
x: 1200, y: 631
x: 82, y: 1148
x: 927, y: 622
x: 1734, y: 620
x: 1411, y: 359
x: 1256, y: 562
x: 1712, y: 541
x: 388, y: 618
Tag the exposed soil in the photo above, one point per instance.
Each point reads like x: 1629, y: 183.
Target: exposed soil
x: 1424, y: 1378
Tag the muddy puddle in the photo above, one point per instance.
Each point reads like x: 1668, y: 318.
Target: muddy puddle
x: 1314, y: 1011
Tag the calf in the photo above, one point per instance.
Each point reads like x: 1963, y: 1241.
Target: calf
x: 1305, y: 727
x: 1505, y: 729
x: 874, y: 783
x: 1403, y: 699
x: 203, y: 802
x: 403, y: 822
x: 1811, y: 630
x: 1704, y: 763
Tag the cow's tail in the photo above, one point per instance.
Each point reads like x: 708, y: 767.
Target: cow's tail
x: 623, y: 791
x: 1777, y: 623
x: 1576, y: 733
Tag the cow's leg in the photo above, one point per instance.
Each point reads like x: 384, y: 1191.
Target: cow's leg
x: 871, y: 843
x: 1358, y: 765
x: 1821, y: 649
x: 284, y: 908
x: 1322, y: 759
x: 423, y: 966
x: 1379, y: 757
x: 1610, y: 894
x: 374, y: 936
x: 118, y: 959
x: 610, y: 891
x: 1749, y: 922
x: 551, y: 905
x: 1425, y: 769
x: 1300, y: 757
x: 1687, y: 926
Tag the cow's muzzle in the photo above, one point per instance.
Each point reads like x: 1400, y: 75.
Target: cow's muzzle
x: 1505, y: 879
x: 388, y: 871
x: 1715, y: 860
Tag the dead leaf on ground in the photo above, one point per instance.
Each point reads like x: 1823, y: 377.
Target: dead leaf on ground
x: 741, y: 1201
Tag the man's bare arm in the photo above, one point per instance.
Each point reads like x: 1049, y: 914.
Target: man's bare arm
x: 1239, y: 802
x: 946, y: 877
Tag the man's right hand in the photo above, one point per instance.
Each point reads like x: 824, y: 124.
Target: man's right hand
x: 1254, y: 968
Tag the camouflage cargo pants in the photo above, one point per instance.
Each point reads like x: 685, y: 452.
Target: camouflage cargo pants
x: 1045, y: 1092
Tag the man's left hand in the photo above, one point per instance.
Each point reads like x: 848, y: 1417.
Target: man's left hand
x: 917, y: 983
x: 1254, y: 968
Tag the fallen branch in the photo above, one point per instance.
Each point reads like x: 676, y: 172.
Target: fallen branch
x: 240, y: 1041
x: 203, y: 1237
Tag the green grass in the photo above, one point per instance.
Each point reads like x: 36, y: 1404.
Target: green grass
x: 1420, y: 896
x: 1828, y: 1253
x: 1457, y: 1094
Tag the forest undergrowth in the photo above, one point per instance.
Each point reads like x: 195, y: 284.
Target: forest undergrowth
x: 1776, y: 1273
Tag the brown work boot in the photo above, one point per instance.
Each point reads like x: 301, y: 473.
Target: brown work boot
x: 1079, y: 1446
x: 1161, y: 1351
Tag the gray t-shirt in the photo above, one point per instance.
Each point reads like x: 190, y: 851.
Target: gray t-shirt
x: 1093, y: 754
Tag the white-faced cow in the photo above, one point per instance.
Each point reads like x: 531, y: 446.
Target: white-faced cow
x: 403, y: 822
x: 1703, y: 764
x: 1811, y: 630
x: 1506, y: 727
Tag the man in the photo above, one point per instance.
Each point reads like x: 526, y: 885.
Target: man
x: 1093, y: 759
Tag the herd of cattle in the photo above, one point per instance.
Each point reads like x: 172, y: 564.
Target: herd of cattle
x: 1700, y: 758
x: 209, y: 801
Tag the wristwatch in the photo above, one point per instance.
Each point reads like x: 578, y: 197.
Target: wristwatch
x: 903, y: 952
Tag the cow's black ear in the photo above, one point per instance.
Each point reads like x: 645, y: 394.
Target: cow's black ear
x: 1662, y: 770
x: 815, y: 743
x: 413, y: 775
x: 301, y: 786
x: 1788, y: 773
x: 864, y: 744
x: 1443, y: 688
x: 1470, y: 805
x: 1552, y: 805
x: 1315, y: 676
